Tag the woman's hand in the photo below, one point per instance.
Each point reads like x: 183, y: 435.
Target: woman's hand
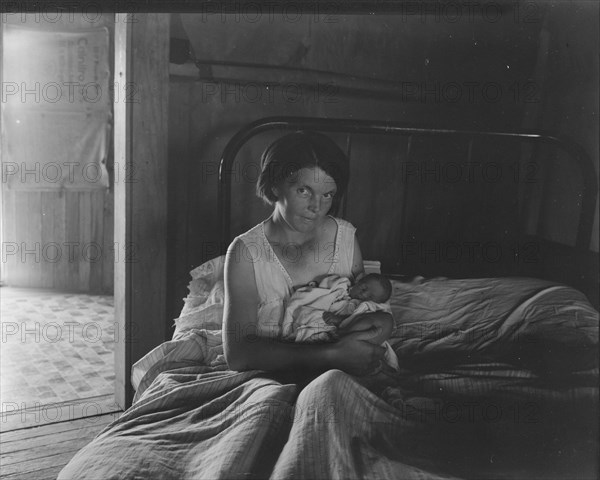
x: 332, y: 319
x: 355, y: 355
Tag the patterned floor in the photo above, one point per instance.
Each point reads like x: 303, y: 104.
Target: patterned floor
x: 55, y: 347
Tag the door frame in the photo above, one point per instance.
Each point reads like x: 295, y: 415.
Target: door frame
x: 141, y: 90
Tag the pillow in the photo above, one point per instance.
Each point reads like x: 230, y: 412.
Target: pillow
x: 372, y: 266
x: 203, y: 307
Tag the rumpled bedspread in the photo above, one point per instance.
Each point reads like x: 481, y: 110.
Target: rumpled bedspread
x: 499, y: 380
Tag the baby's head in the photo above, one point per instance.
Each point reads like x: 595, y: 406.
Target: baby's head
x: 372, y: 287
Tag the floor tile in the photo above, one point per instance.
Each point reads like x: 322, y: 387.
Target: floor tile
x: 61, y: 346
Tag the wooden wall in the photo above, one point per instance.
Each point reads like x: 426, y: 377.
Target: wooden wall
x: 52, y: 237
x: 371, y: 57
x: 59, y: 240
x: 570, y: 42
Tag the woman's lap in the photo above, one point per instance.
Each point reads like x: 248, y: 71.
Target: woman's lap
x: 334, y: 428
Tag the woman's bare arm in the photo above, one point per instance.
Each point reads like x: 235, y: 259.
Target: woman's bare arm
x: 245, y: 350
x: 358, y: 268
x: 383, y: 322
x: 376, y: 327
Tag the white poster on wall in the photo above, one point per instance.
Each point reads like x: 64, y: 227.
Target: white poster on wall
x: 56, y: 109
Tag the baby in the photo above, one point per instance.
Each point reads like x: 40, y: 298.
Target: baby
x: 373, y: 288
x: 333, y: 308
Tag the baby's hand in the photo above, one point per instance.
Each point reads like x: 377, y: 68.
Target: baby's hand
x: 332, y: 319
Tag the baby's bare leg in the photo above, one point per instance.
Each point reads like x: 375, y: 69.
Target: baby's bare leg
x: 377, y: 327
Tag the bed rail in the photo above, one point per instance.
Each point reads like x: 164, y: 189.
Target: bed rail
x: 582, y: 160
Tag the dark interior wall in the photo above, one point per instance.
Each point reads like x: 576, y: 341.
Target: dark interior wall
x: 570, y: 103
x: 498, y: 70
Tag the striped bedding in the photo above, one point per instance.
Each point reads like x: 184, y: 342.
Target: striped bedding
x: 499, y: 380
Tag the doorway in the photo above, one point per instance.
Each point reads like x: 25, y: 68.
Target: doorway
x: 56, y: 298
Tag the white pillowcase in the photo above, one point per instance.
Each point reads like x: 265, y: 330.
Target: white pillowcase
x: 203, y: 308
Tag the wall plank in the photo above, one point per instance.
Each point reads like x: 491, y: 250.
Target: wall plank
x: 34, y: 217
x: 179, y: 145
x: 9, y: 249
x: 60, y: 275
x: 52, y: 250
x: 22, y: 238
x: 85, y: 240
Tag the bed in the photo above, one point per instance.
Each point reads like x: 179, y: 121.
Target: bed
x: 499, y: 360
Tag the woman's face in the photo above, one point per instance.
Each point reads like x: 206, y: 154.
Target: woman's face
x: 305, y: 198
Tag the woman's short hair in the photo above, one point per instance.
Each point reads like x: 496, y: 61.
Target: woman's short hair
x: 302, y: 149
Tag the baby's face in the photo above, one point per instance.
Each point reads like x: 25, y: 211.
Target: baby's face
x: 369, y: 289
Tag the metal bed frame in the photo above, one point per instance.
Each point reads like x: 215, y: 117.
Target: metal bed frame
x: 583, y: 161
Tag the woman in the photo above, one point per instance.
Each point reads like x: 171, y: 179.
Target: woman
x: 271, y: 412
x: 302, y: 175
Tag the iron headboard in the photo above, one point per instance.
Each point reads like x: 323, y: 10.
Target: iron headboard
x: 351, y: 126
